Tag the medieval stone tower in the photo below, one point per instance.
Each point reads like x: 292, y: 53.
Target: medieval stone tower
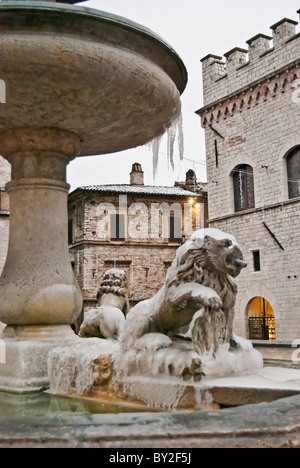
x: 251, y: 117
x: 4, y: 210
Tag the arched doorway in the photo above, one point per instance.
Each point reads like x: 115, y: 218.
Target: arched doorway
x: 261, y: 320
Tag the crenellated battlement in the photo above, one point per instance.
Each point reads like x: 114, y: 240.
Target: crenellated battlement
x: 244, y: 75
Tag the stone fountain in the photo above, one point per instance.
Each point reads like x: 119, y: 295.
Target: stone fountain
x: 148, y: 356
x: 78, y: 82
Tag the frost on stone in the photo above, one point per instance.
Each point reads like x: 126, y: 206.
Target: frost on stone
x: 81, y: 367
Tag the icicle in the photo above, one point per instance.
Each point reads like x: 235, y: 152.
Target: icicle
x: 171, y: 140
x: 175, y: 129
x: 155, y: 151
x: 180, y: 137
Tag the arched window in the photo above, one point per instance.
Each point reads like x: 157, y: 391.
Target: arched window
x: 293, y: 172
x: 243, y: 187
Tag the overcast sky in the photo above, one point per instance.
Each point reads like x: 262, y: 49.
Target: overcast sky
x: 194, y: 28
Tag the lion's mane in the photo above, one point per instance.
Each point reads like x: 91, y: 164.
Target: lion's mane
x: 193, y: 268
x: 114, y: 282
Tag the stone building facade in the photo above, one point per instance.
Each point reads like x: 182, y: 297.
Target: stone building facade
x: 251, y: 117
x: 135, y: 228
x: 5, y: 172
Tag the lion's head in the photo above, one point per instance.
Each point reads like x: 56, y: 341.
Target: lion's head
x: 221, y: 255
x: 114, y: 281
x: 210, y: 257
x: 214, y: 250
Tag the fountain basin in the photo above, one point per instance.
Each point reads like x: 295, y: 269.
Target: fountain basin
x: 91, y: 367
x: 110, y: 81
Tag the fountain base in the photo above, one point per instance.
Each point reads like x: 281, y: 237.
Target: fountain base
x: 25, y: 349
x: 91, y: 367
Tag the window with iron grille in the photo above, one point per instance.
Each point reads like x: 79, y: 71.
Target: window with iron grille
x: 261, y: 320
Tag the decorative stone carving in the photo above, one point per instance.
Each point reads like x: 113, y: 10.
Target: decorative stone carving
x: 200, y: 292
x: 200, y: 279
x: 248, y: 97
x: 151, y: 360
x: 107, y: 320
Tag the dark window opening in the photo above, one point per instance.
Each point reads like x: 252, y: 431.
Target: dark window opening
x: 117, y: 227
x: 243, y: 187
x: 293, y: 173
x: 256, y: 260
x: 175, y: 229
x: 70, y: 231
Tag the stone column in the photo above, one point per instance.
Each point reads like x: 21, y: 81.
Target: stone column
x: 38, y: 290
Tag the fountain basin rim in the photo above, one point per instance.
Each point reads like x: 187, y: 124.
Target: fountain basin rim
x: 86, y: 12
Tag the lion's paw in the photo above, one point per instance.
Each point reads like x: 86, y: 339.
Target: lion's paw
x: 212, y: 303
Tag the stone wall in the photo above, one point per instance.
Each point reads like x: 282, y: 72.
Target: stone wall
x: 146, y: 217
x: 145, y: 268
x: 4, y: 232
x: 252, y: 116
x: 5, y: 171
x: 144, y: 255
x: 259, y: 134
x: 279, y: 279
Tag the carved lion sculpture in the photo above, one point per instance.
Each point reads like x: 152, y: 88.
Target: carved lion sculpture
x: 199, y: 291
x: 107, y: 320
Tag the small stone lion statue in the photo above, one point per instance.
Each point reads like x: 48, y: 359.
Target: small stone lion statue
x: 199, y: 291
x: 108, y: 318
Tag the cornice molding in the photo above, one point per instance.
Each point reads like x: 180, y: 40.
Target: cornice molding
x: 252, y: 94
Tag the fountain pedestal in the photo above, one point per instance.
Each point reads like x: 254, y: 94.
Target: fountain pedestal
x: 26, y: 355
x: 39, y: 293
x: 78, y: 82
